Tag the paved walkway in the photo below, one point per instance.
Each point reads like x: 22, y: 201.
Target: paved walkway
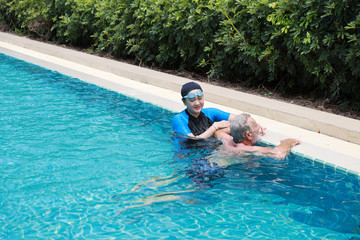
x: 337, y: 144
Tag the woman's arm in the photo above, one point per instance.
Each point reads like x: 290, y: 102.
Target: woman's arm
x: 216, y: 127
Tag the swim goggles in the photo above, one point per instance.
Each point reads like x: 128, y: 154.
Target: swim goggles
x: 192, y: 95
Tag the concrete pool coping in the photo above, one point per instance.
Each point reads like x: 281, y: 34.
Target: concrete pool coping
x: 337, y: 144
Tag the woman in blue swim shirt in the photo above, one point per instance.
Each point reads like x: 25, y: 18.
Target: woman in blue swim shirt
x: 196, y: 121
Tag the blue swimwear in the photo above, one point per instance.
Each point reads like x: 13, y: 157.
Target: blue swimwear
x: 201, y: 171
x: 184, y: 123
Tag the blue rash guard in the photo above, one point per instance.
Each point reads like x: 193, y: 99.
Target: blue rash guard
x: 184, y: 123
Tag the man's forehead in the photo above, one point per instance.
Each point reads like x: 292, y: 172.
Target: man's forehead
x: 252, y: 121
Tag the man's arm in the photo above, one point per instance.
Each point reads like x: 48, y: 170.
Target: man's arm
x: 231, y: 117
x: 223, y: 132
x: 278, y: 152
x: 283, y: 149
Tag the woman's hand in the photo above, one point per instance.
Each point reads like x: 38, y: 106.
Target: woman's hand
x: 221, y: 124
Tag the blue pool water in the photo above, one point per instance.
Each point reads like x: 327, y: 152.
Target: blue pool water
x: 78, y: 161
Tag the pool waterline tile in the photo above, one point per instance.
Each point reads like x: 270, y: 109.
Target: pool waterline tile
x: 341, y: 169
x: 353, y: 173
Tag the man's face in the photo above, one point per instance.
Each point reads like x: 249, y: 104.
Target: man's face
x: 196, y: 104
x: 256, y: 130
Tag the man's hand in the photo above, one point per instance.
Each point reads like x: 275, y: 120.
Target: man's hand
x: 291, y: 142
x: 282, y: 150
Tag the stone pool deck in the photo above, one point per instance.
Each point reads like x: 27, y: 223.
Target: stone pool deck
x: 337, y: 145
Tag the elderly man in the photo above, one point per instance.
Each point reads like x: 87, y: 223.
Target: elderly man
x: 245, y: 132
x: 196, y: 121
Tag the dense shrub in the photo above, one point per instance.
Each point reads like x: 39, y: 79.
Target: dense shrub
x: 170, y: 33
x: 309, y: 45
x: 302, y: 46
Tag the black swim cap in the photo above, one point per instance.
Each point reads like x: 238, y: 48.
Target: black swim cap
x: 188, y: 87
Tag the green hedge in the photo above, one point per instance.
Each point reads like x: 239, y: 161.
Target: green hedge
x: 303, y: 46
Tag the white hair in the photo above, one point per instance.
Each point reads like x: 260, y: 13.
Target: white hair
x: 239, y: 126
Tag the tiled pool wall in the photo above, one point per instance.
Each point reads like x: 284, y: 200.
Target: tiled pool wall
x: 314, y: 160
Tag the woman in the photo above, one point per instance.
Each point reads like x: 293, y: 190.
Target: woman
x: 196, y: 121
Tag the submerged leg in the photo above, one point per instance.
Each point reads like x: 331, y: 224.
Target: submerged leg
x: 161, y: 197
x: 154, y: 182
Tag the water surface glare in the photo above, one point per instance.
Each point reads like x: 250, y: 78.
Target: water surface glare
x: 79, y: 161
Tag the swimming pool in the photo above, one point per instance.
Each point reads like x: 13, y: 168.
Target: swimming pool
x: 71, y: 154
